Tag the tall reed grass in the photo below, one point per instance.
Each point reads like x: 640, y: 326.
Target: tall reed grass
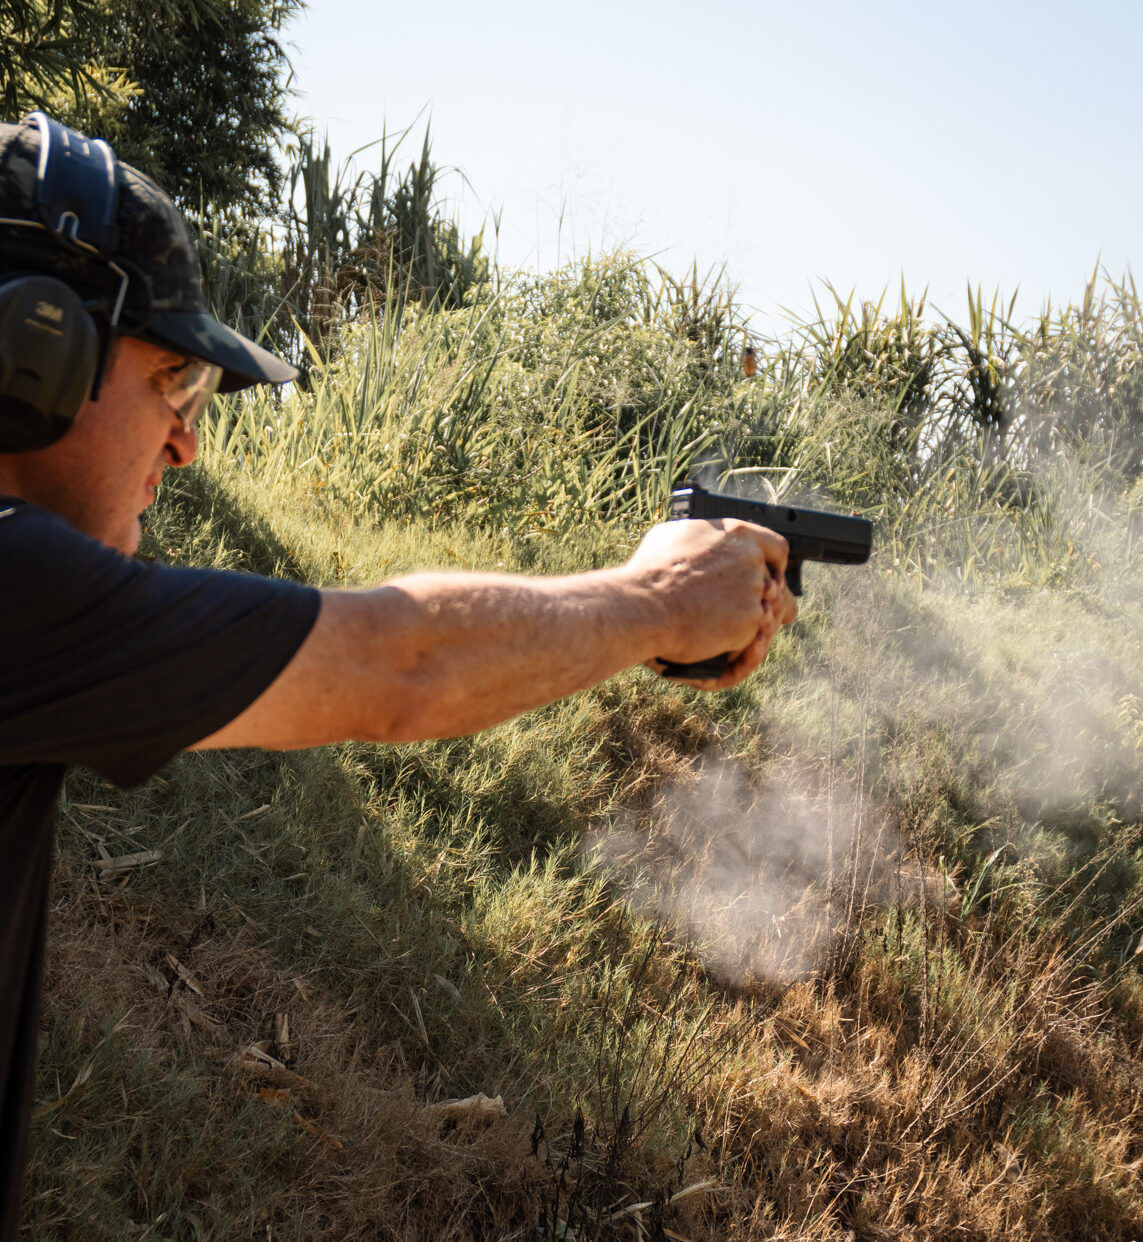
x: 986, y: 453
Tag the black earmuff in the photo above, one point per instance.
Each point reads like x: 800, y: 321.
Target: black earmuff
x: 49, y: 355
x: 52, y: 354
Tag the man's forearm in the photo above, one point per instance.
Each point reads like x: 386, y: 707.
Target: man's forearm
x: 450, y: 654
x: 440, y: 654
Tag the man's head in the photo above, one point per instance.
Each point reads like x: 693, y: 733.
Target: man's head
x: 107, y: 349
x: 91, y: 249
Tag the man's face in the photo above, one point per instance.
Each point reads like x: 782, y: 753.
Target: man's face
x: 104, y: 472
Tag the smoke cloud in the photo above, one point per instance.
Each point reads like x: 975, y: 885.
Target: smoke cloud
x: 762, y: 880
x: 927, y: 725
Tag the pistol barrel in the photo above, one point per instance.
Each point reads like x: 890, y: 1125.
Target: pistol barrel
x: 813, y: 535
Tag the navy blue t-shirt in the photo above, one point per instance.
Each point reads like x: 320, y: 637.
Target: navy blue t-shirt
x: 115, y: 665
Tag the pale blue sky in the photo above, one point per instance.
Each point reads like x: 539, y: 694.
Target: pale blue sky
x: 795, y: 143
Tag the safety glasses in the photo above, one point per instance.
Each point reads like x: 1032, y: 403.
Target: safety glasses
x: 189, y: 389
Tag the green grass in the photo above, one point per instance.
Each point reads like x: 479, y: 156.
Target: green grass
x: 852, y: 949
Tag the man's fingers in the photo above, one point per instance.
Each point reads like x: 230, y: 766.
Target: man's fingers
x: 775, y: 549
x: 778, y: 595
x: 739, y: 666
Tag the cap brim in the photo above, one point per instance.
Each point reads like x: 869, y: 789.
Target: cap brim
x: 243, y: 363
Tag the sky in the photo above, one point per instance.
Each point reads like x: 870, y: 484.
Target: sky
x: 795, y: 146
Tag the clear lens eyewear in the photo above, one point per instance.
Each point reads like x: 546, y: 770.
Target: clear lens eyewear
x: 190, y: 388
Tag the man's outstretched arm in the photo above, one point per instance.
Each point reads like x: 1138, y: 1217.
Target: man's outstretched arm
x: 443, y: 654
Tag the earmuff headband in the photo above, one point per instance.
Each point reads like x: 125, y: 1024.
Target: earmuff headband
x: 75, y: 187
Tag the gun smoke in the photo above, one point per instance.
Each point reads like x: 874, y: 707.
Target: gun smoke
x: 760, y: 878
x: 923, y: 723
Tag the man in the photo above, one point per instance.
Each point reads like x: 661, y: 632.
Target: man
x: 108, y: 356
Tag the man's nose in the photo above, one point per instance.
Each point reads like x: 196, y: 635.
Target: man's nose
x: 182, y: 444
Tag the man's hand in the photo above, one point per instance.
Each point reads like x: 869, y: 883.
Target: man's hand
x: 728, y: 580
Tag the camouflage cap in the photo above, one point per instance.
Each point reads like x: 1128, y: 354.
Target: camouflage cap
x: 165, y: 300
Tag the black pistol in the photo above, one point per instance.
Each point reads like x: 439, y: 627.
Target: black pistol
x: 811, y: 534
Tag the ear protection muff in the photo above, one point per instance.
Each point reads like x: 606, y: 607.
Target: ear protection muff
x: 49, y: 354
x: 52, y: 354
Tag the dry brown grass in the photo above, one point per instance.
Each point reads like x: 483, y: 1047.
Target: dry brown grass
x: 1017, y: 1116
x: 362, y: 1146
x: 1003, y: 1100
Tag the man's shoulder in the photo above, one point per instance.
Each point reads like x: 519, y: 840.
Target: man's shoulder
x: 117, y: 664
x: 56, y: 575
x: 43, y: 557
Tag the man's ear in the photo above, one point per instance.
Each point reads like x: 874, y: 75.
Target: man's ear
x: 49, y: 356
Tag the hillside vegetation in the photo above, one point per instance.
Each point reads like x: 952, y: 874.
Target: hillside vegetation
x: 850, y: 952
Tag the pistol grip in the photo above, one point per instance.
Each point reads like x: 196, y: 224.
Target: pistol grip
x: 699, y: 669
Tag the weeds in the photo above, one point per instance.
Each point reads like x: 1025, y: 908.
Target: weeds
x: 849, y: 952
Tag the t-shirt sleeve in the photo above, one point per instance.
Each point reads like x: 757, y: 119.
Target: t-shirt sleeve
x: 117, y: 665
